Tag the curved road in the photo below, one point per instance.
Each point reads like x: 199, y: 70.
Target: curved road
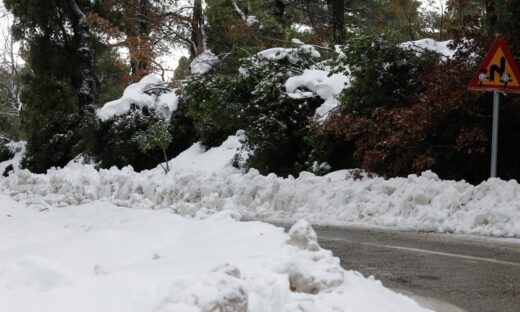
x: 441, y: 272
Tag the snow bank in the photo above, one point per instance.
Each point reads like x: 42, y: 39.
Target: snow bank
x: 214, y: 160
x: 421, y: 45
x: 423, y: 202
x: 203, y: 63
x: 150, y: 92
x: 321, y: 83
x: 103, y: 258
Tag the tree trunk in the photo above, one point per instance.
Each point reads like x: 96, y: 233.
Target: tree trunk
x: 198, y: 36
x: 138, y: 37
x: 82, y: 37
x: 338, y: 20
x: 279, y: 11
x: 195, y: 32
x: 144, y: 14
x: 491, y: 17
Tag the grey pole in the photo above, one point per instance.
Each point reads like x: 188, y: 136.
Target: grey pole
x: 494, y: 138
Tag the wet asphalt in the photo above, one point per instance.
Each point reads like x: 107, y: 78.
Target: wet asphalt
x: 443, y: 272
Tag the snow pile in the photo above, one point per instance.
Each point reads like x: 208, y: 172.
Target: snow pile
x: 421, y: 45
x: 103, y: 258
x: 217, y: 159
x: 202, y: 181
x: 291, y: 54
x: 150, y: 92
x: 251, y: 20
x: 319, y: 82
x: 301, y: 28
x: 18, y: 149
x: 203, y: 63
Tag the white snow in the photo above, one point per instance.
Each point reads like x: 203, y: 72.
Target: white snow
x: 165, y: 103
x: 321, y: 83
x: 104, y: 258
x: 290, y: 53
x: 203, y: 63
x: 81, y: 239
x: 214, y: 160
x: 301, y: 28
x: 205, y: 180
x: 18, y: 149
x: 421, y: 45
x: 311, y: 81
x: 251, y: 20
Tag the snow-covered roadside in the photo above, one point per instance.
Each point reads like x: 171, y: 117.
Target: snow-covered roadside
x: 205, y: 181
x: 100, y: 257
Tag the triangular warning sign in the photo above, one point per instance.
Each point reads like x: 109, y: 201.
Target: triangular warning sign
x: 498, y: 71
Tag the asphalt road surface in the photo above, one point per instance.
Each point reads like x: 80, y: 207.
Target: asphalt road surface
x: 442, y: 272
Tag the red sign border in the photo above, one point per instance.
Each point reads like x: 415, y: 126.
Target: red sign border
x: 474, y: 84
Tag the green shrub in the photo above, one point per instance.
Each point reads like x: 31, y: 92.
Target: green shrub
x: 383, y: 74
x: 216, y: 104
x: 278, y: 128
x: 156, y: 136
x: 54, y: 144
x: 116, y: 142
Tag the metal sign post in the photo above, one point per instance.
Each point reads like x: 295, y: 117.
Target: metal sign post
x: 498, y: 73
x: 494, y: 136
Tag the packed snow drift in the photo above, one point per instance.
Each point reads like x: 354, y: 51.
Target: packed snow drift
x: 100, y: 257
x: 202, y: 180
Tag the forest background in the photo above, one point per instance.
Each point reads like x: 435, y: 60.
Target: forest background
x: 402, y: 112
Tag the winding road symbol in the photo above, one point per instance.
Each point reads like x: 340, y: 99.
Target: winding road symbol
x: 498, y: 71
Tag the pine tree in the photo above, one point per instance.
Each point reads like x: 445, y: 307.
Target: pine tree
x: 57, y: 82
x: 146, y: 28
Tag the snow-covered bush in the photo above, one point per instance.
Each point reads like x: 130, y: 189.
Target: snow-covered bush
x: 156, y: 136
x: 384, y: 74
x: 146, y: 126
x: 55, y: 142
x: 278, y: 126
x: 5, y: 152
x: 400, y: 115
x: 216, y: 103
x: 115, y: 141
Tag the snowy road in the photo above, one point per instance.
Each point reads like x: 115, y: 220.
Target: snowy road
x: 474, y: 274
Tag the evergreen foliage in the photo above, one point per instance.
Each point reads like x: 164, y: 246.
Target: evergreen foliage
x: 156, y: 136
x: 140, y: 138
x: 277, y: 126
x: 403, y: 112
x: 378, y: 63
x: 51, y: 83
x: 432, y: 123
